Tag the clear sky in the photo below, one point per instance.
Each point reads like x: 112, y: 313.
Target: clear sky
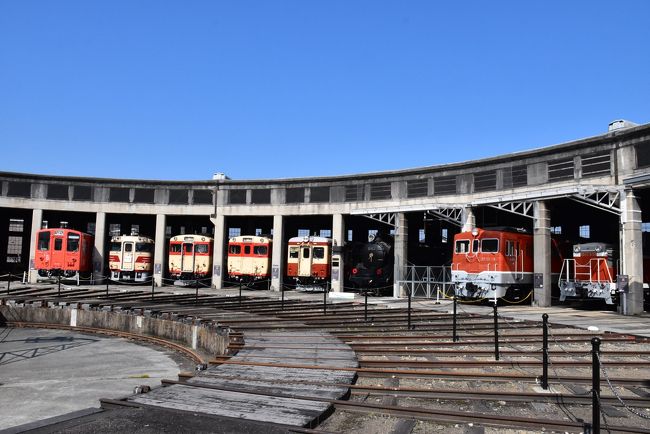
x: 272, y: 89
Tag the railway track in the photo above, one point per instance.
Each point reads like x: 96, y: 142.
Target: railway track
x: 405, y: 369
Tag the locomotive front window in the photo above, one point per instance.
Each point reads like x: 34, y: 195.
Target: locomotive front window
x: 44, y: 241
x: 475, y: 246
x: 462, y: 246
x: 319, y: 252
x: 293, y: 252
x: 116, y: 247
x: 247, y: 250
x: 175, y: 248
x: 188, y: 248
x: 235, y: 249
x: 128, y: 247
x: 73, y: 243
x: 490, y: 245
x: 260, y: 250
x: 58, y: 243
x: 201, y: 248
x: 144, y: 247
x: 305, y: 252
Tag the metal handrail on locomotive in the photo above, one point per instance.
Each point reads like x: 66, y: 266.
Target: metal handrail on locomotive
x: 131, y: 258
x: 497, y: 262
x: 190, y: 257
x: 309, y: 262
x: 249, y: 258
x: 63, y: 252
x: 591, y: 273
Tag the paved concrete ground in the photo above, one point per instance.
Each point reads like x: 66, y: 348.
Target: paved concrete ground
x: 45, y: 373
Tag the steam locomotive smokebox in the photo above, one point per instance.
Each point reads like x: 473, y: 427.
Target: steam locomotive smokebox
x: 538, y: 280
x: 623, y: 283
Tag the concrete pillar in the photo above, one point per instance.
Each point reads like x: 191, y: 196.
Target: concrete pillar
x: 468, y: 220
x: 401, y: 255
x: 218, y: 266
x: 37, y: 221
x: 542, y: 256
x: 278, y: 260
x: 338, y: 235
x: 631, y: 254
x: 99, y: 254
x: 159, y: 260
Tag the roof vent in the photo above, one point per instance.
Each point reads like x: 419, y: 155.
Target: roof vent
x: 219, y: 176
x: 619, y: 124
x: 64, y: 225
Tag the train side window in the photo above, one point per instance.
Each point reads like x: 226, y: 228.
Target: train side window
x: 175, y: 248
x: 247, y: 250
x: 235, y: 249
x: 490, y: 245
x: 475, y: 246
x: 73, y: 243
x: 260, y: 250
x: 305, y: 252
x: 116, y: 247
x: 188, y: 248
x: 293, y: 252
x: 510, y: 248
x: 128, y: 247
x: 462, y: 246
x: 201, y: 248
x: 319, y: 252
x: 58, y: 243
x: 44, y: 241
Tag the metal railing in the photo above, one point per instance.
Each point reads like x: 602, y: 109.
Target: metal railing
x: 428, y: 281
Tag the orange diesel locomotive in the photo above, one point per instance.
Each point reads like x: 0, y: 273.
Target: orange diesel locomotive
x: 591, y: 273
x: 131, y: 258
x: 63, y: 252
x: 488, y: 263
x: 249, y: 258
x: 190, y: 257
x: 309, y: 261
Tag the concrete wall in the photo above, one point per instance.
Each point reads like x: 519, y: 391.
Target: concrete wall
x: 209, y: 339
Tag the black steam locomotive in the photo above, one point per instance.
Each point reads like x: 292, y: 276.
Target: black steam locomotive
x: 370, y: 265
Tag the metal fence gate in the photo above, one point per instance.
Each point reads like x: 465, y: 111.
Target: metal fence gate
x: 429, y: 282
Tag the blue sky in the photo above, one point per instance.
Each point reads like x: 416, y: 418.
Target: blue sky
x: 273, y: 89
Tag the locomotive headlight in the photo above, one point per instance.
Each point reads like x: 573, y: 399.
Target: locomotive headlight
x: 475, y: 232
x: 576, y: 249
x: 599, y: 249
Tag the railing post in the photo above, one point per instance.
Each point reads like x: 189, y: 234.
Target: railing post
x: 282, y: 291
x: 240, y: 292
x: 153, y: 286
x: 409, y: 308
x: 325, y: 298
x: 595, y: 385
x: 496, y: 332
x: 455, y: 335
x: 59, y: 280
x: 545, y: 351
x: 107, y: 281
x: 365, y: 308
x: 196, y: 295
x: 9, y: 283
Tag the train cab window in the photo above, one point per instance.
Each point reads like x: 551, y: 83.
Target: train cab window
x: 234, y: 249
x: 510, y: 248
x: 188, y: 248
x: 44, y: 241
x: 462, y: 246
x: 475, y: 246
x: 128, y: 247
x: 260, y: 250
x: 175, y: 248
x: 490, y: 245
x: 58, y: 243
x: 73, y: 243
x: 247, y: 250
x: 201, y: 248
x: 319, y: 252
x: 293, y: 252
x: 116, y: 247
x: 305, y: 252
x: 144, y: 247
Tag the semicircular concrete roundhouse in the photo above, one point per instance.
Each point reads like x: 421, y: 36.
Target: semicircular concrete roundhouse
x: 589, y: 190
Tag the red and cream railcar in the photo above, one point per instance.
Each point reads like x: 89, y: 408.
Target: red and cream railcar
x: 309, y: 261
x: 249, y: 258
x: 190, y: 257
x: 590, y: 274
x: 130, y: 257
x: 488, y: 263
x: 63, y: 252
